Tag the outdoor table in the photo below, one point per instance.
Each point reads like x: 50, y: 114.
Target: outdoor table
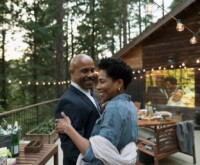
x: 154, y: 124
x: 148, y: 123
x: 40, y: 158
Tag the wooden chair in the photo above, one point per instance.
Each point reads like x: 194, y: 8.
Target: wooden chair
x: 165, y: 145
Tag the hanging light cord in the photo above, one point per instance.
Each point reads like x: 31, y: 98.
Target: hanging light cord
x: 196, y: 34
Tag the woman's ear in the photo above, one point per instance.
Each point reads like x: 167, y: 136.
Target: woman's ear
x: 120, y: 83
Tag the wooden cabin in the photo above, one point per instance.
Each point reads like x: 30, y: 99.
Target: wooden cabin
x: 161, y: 47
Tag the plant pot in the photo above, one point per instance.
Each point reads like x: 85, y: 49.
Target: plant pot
x: 46, y: 138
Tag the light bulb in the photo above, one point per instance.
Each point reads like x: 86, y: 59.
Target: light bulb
x: 149, y: 8
x: 193, y: 40
x: 179, y: 27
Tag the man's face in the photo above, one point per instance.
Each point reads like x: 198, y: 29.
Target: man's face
x: 82, y: 73
x: 169, y: 85
x: 159, y: 80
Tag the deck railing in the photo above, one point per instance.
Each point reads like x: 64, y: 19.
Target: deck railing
x: 31, y: 116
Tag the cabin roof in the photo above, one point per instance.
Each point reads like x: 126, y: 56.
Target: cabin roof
x: 161, y: 22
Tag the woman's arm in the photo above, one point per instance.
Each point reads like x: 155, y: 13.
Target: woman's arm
x: 64, y: 126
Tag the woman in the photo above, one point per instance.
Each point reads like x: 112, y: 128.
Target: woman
x: 117, y: 126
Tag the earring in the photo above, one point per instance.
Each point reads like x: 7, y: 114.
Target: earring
x: 118, y: 89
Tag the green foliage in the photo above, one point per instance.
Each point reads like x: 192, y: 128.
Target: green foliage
x: 175, y: 3
x: 45, y: 128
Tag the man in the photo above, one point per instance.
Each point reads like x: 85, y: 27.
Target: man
x: 157, y: 94
x: 78, y: 103
x: 174, y: 92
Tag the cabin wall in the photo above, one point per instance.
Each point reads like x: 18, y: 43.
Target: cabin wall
x: 166, y: 47
x: 168, y: 43
x: 134, y: 58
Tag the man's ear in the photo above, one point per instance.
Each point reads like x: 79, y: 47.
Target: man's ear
x: 71, y: 71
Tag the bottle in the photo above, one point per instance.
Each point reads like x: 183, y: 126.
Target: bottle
x: 15, y: 144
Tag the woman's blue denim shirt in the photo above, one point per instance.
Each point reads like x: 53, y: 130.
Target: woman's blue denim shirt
x: 118, y: 124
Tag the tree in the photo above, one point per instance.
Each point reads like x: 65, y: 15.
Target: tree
x: 175, y: 3
x: 39, y: 56
x: 60, y: 65
x: 4, y: 23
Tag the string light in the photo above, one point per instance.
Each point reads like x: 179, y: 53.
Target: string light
x: 134, y: 72
x: 43, y: 83
x: 193, y: 40
x: 179, y: 27
x: 149, y: 8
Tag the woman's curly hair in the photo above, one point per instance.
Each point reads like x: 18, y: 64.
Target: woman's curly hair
x: 117, y: 69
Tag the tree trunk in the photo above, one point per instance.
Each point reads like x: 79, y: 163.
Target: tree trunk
x: 140, y: 18
x: 3, y: 71
x: 93, y: 30
x: 124, y: 22
x: 60, y: 66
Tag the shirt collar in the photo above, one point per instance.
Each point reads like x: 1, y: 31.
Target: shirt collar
x: 79, y: 88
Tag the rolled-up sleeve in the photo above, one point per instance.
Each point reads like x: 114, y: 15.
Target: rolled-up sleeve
x: 89, y: 155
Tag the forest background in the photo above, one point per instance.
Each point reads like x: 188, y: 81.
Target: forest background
x: 53, y: 31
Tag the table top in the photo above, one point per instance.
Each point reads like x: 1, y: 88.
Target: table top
x: 146, y: 123
x: 40, y: 158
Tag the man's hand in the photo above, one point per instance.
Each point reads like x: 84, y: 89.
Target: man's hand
x: 176, y: 96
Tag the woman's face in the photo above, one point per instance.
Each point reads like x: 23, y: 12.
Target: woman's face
x: 106, y: 86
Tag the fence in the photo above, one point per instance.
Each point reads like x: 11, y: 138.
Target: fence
x: 30, y: 116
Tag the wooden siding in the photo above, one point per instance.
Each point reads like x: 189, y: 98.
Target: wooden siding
x: 134, y: 58
x: 167, y: 41
x: 154, y: 47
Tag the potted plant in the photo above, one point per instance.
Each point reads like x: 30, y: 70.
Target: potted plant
x: 44, y: 132
x: 197, y: 117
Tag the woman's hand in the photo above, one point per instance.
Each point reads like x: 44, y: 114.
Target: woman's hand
x: 63, y: 125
